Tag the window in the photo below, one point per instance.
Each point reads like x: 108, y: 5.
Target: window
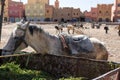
x: 118, y: 12
x: 11, y: 12
x: 15, y: 12
x: 68, y: 14
x: 100, y: 12
x: 41, y: 14
x: 28, y: 14
x: 41, y: 6
x: 47, y: 11
x: 28, y: 7
x: 106, y: 11
x: 93, y: 13
x: 118, y: 4
x: 27, y: 11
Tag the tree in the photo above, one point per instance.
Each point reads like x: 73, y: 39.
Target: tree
x: 1, y: 15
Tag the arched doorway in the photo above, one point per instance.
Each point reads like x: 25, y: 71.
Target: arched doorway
x: 55, y: 20
x: 100, y: 20
x: 47, y: 19
x: 62, y: 20
x: 5, y: 19
x: 107, y: 20
x: 82, y: 19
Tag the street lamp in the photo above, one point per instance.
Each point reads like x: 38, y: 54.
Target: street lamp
x: 1, y: 15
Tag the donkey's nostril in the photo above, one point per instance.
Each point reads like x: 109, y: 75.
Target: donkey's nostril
x: 16, y: 37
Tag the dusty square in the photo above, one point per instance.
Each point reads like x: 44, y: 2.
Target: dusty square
x: 111, y: 40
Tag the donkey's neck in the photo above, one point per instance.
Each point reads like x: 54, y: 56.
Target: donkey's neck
x: 44, y: 43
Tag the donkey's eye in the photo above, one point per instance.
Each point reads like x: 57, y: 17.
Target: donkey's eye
x: 16, y: 37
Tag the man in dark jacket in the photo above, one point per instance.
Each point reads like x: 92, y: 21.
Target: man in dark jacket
x: 119, y: 30
x: 106, y: 29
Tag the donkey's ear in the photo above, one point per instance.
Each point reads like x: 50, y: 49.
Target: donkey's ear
x: 22, y: 21
x: 19, y: 24
x: 25, y: 25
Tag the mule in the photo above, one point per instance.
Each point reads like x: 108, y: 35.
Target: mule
x: 42, y: 42
x: 70, y: 27
x: 59, y: 29
x: 75, y: 29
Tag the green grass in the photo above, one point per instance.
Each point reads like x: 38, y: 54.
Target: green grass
x: 12, y: 71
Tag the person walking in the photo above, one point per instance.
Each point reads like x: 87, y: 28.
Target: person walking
x: 119, y: 30
x: 106, y: 29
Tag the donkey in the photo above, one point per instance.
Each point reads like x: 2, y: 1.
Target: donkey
x: 28, y: 34
x: 59, y: 29
x: 70, y: 27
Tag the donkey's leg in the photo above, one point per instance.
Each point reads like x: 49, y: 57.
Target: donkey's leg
x: 73, y: 31
x: 68, y: 31
x: 61, y: 30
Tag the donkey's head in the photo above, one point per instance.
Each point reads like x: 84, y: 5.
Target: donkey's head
x: 16, y: 41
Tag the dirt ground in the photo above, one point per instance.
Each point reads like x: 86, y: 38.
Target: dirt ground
x: 111, y: 40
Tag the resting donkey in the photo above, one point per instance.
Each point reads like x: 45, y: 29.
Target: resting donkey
x: 44, y: 43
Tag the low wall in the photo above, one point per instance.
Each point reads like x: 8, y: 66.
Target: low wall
x: 63, y: 66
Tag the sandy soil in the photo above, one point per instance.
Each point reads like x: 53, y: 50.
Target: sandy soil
x: 111, y: 40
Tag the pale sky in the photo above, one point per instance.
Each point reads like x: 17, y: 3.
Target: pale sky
x: 82, y: 4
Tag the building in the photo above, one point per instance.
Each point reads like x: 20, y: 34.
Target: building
x: 40, y: 10
x: 76, y: 13
x: 38, y: 1
x: 49, y: 9
x: 13, y: 11
x: 66, y: 14
x: 87, y: 15
x: 35, y: 10
x: 94, y: 14
x: 104, y: 12
x: 115, y: 11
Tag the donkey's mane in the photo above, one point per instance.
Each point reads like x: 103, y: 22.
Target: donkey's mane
x: 35, y: 28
